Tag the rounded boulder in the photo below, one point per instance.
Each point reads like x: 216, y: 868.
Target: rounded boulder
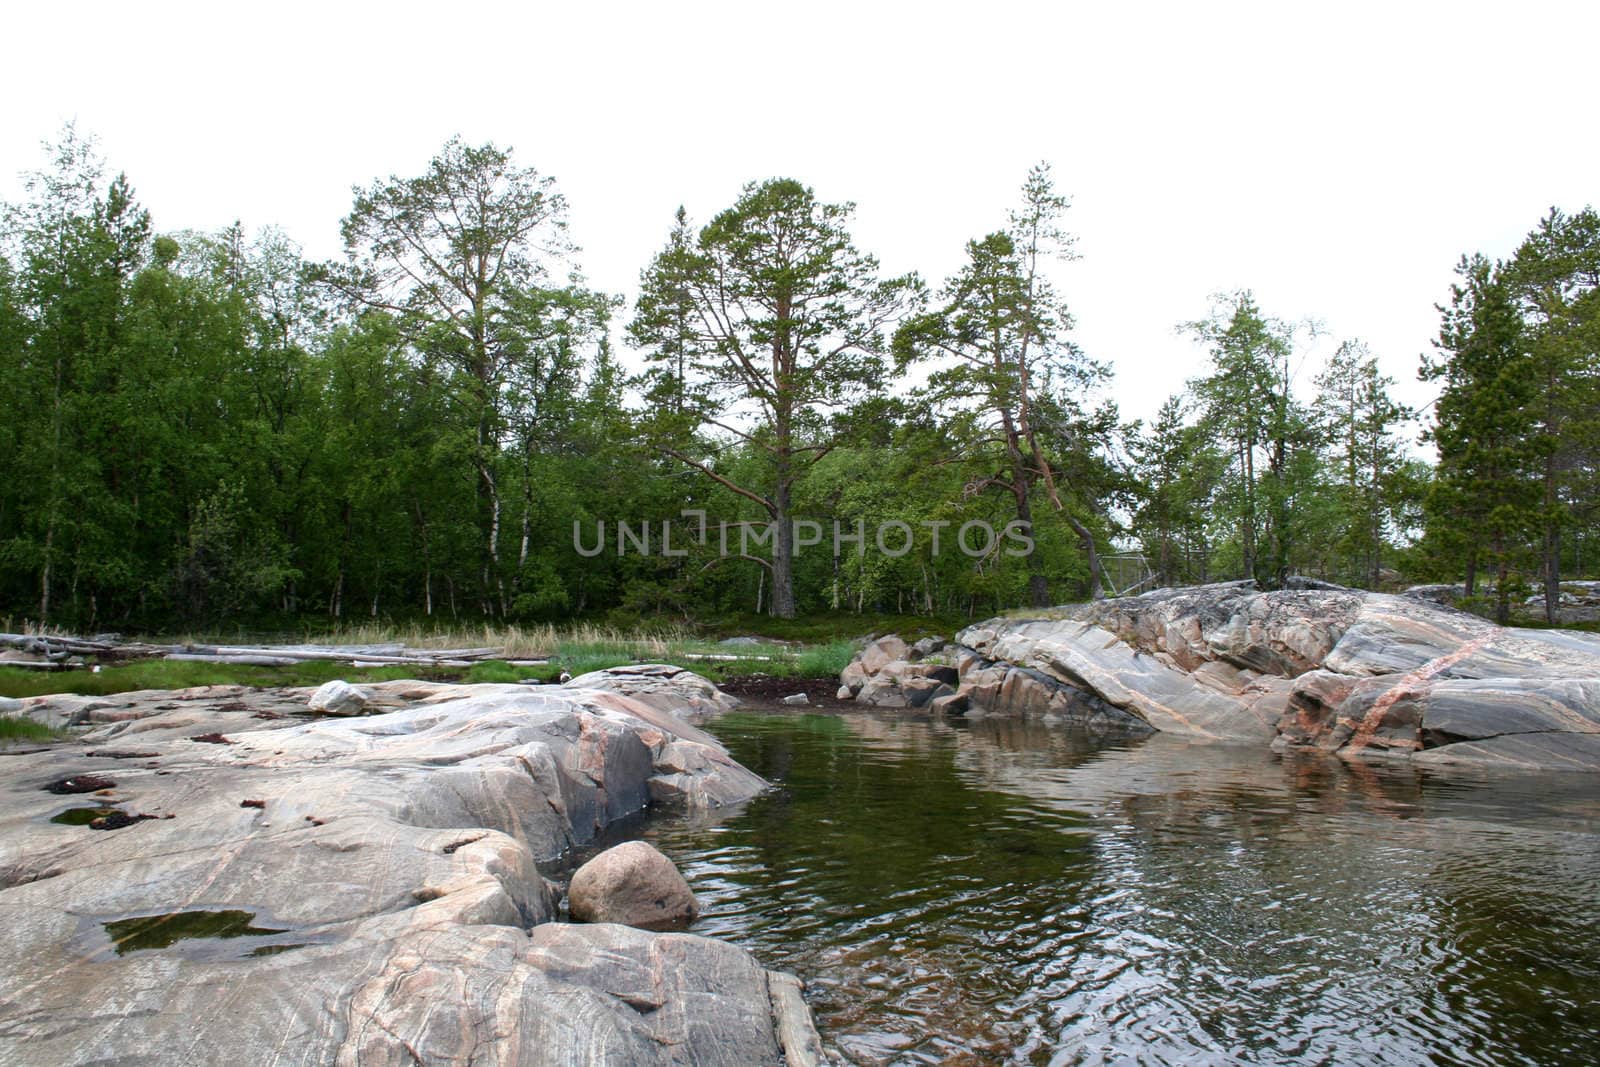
x: 632, y: 884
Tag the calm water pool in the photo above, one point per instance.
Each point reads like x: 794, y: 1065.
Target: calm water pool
x: 1010, y: 892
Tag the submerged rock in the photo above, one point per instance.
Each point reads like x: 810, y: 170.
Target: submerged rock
x: 635, y: 885
x: 391, y: 864
x: 1344, y: 671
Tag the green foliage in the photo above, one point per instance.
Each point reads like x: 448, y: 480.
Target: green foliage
x: 501, y: 672
x: 773, y: 311
x: 825, y: 661
x: 1007, y: 380
x: 19, y: 729
x: 1359, y: 422
x: 1484, y: 504
x: 1249, y: 408
x: 204, y: 430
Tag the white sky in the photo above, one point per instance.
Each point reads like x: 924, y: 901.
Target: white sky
x: 1335, y: 158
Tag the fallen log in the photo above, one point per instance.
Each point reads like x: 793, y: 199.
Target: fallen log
x: 248, y: 660
x: 418, y: 659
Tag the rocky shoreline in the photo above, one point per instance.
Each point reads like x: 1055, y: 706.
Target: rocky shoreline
x: 1322, y: 668
x: 279, y: 888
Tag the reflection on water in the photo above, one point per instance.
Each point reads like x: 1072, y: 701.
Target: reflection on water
x: 1007, y: 891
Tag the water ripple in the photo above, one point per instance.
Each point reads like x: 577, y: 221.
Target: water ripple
x: 1009, y: 893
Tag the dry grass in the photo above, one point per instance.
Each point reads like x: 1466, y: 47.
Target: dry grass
x: 518, y: 642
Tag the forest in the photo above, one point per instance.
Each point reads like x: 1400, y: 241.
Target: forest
x: 199, y: 429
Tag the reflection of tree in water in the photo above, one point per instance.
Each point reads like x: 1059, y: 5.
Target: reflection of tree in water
x: 880, y: 859
x: 1515, y: 949
x: 1008, y: 889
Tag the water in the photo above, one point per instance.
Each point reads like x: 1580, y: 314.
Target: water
x: 1010, y: 892
x: 198, y: 933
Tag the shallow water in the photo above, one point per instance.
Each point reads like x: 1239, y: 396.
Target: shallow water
x: 201, y: 934
x: 1011, y: 892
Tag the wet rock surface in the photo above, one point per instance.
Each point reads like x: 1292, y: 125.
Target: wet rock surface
x: 353, y: 890
x: 1337, y: 670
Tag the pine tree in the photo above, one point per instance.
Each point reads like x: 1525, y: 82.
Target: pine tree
x: 771, y: 320
x: 1485, y: 503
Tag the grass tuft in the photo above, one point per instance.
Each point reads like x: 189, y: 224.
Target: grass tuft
x: 19, y: 729
x: 825, y: 661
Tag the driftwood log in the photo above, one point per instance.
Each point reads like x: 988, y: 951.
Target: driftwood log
x: 53, y: 651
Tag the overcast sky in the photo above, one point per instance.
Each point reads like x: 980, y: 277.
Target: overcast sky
x: 1335, y: 158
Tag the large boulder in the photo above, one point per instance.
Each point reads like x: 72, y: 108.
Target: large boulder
x: 372, y: 879
x: 1312, y: 666
x: 882, y: 652
x: 635, y: 885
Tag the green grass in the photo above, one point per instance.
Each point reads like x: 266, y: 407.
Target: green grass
x: 173, y: 674
x: 17, y: 729
x: 812, y: 647
x: 825, y: 661
x: 575, y: 654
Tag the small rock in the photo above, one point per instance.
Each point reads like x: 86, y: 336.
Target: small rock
x: 739, y: 642
x: 632, y: 884
x: 798, y: 699
x: 927, y: 647
x: 844, y: 693
x: 340, y: 698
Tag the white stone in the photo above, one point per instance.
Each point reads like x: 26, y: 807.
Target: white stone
x: 340, y: 698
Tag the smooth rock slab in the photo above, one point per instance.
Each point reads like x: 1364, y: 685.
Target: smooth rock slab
x: 397, y: 854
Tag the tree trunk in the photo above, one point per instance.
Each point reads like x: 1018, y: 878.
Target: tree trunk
x: 1552, y: 546
x: 1038, y: 583
x: 1552, y: 574
x: 1502, y: 589
x: 1086, y: 538
x: 1247, y: 521
x: 782, y: 553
